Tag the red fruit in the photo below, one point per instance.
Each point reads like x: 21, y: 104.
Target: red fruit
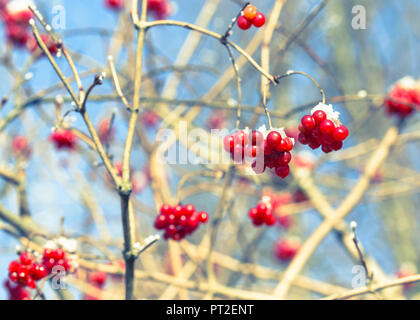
x: 285, y: 249
x: 238, y: 153
x: 193, y: 222
x: 30, y: 282
x: 252, y: 151
x: 63, y: 139
x: 150, y: 118
x: 97, y: 278
x: 302, y: 138
x: 59, y: 254
x: 203, y: 216
x: 274, y: 138
x: 48, y: 254
x: 26, y: 258
x: 308, y: 123
x: 166, y: 209
x: 159, y: 8
x: 270, y: 219
x: 229, y: 143
x: 337, y: 145
x: 289, y: 144
x: 319, y: 116
x: 20, y: 146
x: 172, y: 218
x: 241, y: 138
x: 282, y: 172
x: 258, y: 221
x: 17, y: 34
x: 327, y: 127
x: 261, y: 208
x: 189, y: 209
x: 13, y: 276
x: 161, y: 222
x: 340, y: 133
x: 256, y: 137
x: 253, y: 213
x: 243, y: 23
x: 259, y: 20
x: 313, y: 144
x: 38, y: 272
x: 14, y: 266
x: 284, y: 158
x: 326, y: 148
x: 250, y: 12
x: 114, y: 4
x: 183, y: 221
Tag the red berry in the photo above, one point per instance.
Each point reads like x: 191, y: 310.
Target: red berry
x: 274, y: 138
x: 302, y: 138
x: 327, y: 127
x: 284, y: 158
x: 250, y: 12
x: 261, y: 208
x: 341, y: 133
x: 285, y: 249
x: 289, y: 144
x: 243, y: 23
x: 26, y: 258
x: 229, y: 143
x: 259, y: 20
x: 308, y: 123
x: 282, y: 172
x: 270, y: 219
x: 319, y: 116
x: 193, y: 222
x: 166, y: 209
x: 253, y: 213
x: 203, y: 216
x: 114, y: 4
x: 161, y: 222
x: 189, y: 209
x: 337, y: 145
x: 256, y: 137
x: 178, y: 211
x: 326, y: 148
x: 241, y: 138
x: 14, y: 266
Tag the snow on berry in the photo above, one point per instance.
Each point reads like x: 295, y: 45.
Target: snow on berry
x: 63, y: 139
x: 17, y: 12
x: 179, y: 221
x: 403, y: 97
x: 322, y: 128
x: 286, y: 249
x: 60, y: 252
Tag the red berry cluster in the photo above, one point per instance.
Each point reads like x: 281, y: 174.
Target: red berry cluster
x: 114, y: 4
x: 286, y: 249
x: 250, y: 16
x: 160, y: 8
x: 21, y: 147
x: 318, y: 131
x: 63, y: 139
x: 25, y: 271
x: 179, y: 221
x: 15, y: 19
x: 33, y: 47
x: 262, y: 214
x: 17, y: 292
x: 56, y: 257
x: 272, y: 152
x: 403, y: 97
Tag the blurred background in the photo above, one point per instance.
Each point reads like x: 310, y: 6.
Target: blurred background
x: 355, y: 67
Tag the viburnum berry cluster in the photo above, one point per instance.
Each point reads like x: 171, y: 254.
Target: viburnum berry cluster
x: 25, y: 271
x: 263, y: 148
x: 403, y: 97
x: 179, y: 221
x: 16, y: 291
x: 322, y: 128
x: 15, y: 16
x: 250, y: 16
x: 286, y: 249
x: 60, y: 252
x: 268, y: 210
x: 63, y: 139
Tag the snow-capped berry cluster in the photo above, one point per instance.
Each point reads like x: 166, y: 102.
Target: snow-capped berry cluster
x: 15, y: 16
x: 322, y: 129
x: 161, y: 9
x: 268, y: 210
x: 16, y: 292
x: 262, y: 213
x: 20, y: 146
x: 179, y: 221
x: 63, y: 139
x: 286, y: 249
x: 403, y: 97
x: 250, y: 16
x: 26, y: 271
x: 60, y: 252
x: 264, y: 148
